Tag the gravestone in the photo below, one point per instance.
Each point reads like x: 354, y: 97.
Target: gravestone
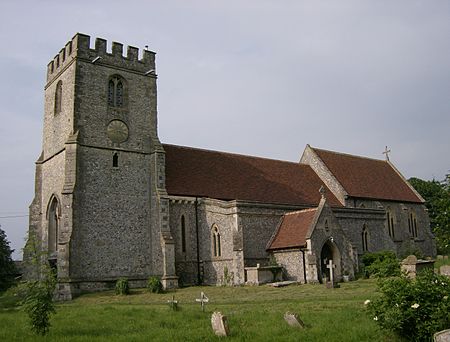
x: 411, y: 265
x: 293, y: 320
x: 219, y: 324
x: 202, y: 300
x: 442, y: 336
x: 173, y: 303
x: 445, y: 270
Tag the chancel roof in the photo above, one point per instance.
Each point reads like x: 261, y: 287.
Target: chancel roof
x: 367, y: 178
x: 227, y: 176
x: 292, y: 230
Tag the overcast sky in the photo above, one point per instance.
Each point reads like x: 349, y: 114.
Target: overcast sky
x: 257, y: 77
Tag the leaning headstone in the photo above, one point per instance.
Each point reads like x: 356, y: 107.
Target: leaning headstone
x: 293, y: 320
x: 445, y: 270
x: 219, y: 324
x: 442, y: 336
x: 440, y: 257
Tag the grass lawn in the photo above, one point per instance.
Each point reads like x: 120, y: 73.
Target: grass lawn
x: 254, y: 314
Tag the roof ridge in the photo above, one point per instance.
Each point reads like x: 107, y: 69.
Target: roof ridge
x: 236, y: 154
x: 348, y: 154
x: 300, y: 211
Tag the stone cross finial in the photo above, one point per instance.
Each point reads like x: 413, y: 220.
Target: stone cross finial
x: 386, y: 152
x: 322, y: 191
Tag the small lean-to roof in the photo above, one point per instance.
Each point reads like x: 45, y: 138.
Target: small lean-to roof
x: 292, y: 230
x: 202, y: 173
x: 367, y: 178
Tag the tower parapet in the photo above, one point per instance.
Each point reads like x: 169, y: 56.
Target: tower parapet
x: 79, y: 48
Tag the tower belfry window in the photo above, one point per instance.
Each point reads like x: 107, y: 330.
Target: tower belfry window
x: 115, y: 160
x: 116, y: 92
x: 58, y: 97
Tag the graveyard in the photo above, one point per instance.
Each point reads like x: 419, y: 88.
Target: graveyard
x: 253, y: 313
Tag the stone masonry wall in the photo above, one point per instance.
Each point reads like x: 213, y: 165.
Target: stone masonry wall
x: 292, y: 263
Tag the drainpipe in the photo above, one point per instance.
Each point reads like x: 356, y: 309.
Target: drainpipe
x: 198, y: 244
x: 304, y: 264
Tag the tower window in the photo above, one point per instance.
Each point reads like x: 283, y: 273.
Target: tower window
x: 365, y: 239
x: 116, y: 92
x: 217, y: 250
x: 115, y: 160
x: 183, y: 234
x: 58, y: 97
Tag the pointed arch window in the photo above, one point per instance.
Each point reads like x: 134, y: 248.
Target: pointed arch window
x: 183, y: 234
x: 58, y: 97
x: 217, y: 249
x: 390, y: 223
x: 365, y: 238
x: 412, y: 224
x: 116, y: 92
x: 53, y: 223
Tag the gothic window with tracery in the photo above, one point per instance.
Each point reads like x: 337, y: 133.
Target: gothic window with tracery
x: 58, y: 97
x: 412, y: 224
x: 116, y: 92
x: 217, y: 251
x: 365, y: 238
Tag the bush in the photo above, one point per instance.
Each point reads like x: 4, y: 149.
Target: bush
x: 154, y: 285
x: 122, y: 286
x: 413, y: 309
x: 381, y: 264
x: 38, y: 302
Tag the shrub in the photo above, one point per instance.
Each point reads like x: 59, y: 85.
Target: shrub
x: 38, y: 302
x: 381, y: 264
x: 122, y: 286
x: 413, y: 309
x: 154, y: 285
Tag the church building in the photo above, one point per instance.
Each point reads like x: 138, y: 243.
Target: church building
x: 112, y: 201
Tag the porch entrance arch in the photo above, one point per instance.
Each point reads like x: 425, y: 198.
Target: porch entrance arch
x: 330, y: 252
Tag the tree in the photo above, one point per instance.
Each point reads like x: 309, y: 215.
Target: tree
x: 437, y: 197
x: 7, y: 266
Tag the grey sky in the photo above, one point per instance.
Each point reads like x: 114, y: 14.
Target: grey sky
x: 258, y: 77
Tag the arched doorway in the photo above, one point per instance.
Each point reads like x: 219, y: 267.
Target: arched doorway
x: 330, y: 252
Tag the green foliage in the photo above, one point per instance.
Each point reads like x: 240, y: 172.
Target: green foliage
x: 122, y: 287
x: 38, y: 303
x: 413, y: 309
x: 154, y: 285
x: 7, y: 267
x: 381, y: 264
x: 38, y: 293
x: 437, y: 197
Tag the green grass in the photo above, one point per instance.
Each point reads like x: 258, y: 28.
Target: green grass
x: 254, y: 314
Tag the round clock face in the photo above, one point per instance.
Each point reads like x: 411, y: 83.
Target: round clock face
x: 117, y: 131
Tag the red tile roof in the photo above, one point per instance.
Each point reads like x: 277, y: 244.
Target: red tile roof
x: 226, y: 176
x: 367, y: 178
x: 293, y: 229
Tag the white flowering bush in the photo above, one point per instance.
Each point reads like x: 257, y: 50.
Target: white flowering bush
x: 413, y: 309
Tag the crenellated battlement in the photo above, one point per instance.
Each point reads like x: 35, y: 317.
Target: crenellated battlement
x: 79, y: 48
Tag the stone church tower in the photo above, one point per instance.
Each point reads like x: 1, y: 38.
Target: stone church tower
x: 100, y: 206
